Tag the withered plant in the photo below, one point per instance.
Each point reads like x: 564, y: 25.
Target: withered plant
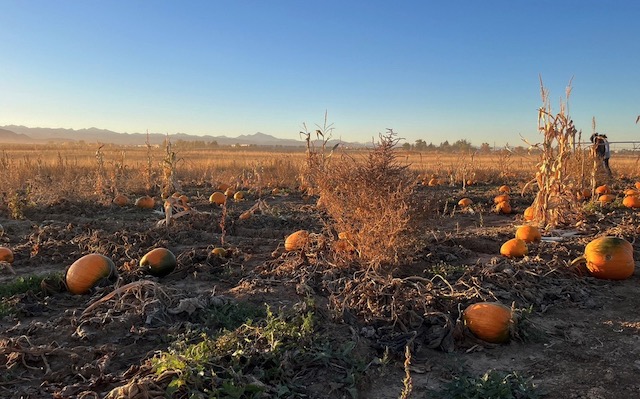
x: 169, y: 171
x: 558, y: 176
x: 370, y: 200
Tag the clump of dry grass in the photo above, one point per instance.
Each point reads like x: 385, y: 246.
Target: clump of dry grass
x: 371, y: 200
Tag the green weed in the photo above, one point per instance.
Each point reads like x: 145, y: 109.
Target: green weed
x: 493, y: 384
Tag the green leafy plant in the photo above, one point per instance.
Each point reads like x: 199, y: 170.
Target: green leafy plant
x: 493, y: 384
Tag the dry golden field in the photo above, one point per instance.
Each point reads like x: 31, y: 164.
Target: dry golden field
x: 369, y: 305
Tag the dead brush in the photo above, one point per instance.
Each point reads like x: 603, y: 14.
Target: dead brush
x: 371, y: 200
x: 557, y: 178
x: 169, y: 171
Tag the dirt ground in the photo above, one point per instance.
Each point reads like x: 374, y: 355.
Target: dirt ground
x: 584, y: 333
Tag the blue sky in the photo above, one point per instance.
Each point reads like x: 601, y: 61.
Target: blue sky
x: 436, y: 71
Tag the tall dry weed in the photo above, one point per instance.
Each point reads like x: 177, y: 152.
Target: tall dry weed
x: 371, y: 200
x: 558, y: 177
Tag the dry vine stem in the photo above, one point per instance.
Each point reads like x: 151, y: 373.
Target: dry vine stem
x: 557, y: 181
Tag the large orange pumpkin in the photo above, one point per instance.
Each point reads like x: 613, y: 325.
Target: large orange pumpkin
x: 145, y: 202
x: 514, y: 248
x: 218, y: 198
x: 489, y: 321
x: 86, y: 272
x: 296, y: 240
x: 6, y: 255
x: 608, y: 258
x: 631, y: 201
x: 158, y: 262
x: 528, y: 233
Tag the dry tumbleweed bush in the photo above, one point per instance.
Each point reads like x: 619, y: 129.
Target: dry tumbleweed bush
x: 372, y: 201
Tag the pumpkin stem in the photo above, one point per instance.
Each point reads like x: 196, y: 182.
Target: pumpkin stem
x: 579, y: 259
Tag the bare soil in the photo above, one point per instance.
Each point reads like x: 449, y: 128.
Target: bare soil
x: 582, y: 338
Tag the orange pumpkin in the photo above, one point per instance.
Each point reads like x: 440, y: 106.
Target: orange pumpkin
x: 121, y: 200
x: 631, y: 191
x: 238, y: 196
x: 434, y: 181
x: 631, y: 201
x: 603, y: 189
x: 529, y: 213
x: 514, y: 248
x: 6, y: 255
x: 222, y: 187
x: 606, y: 198
x: 608, y: 258
x: 528, y: 233
x: 297, y: 240
x: 637, y: 185
x: 221, y: 252
x: 489, y: 321
x: 465, y: 202
x: 583, y: 195
x: 504, y: 189
x: 86, y: 272
x: 499, y: 198
x: 218, y: 198
x: 229, y: 192
x: 503, y: 207
x: 158, y: 262
x: 145, y: 202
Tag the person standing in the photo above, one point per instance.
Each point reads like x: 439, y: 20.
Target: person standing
x: 602, y: 150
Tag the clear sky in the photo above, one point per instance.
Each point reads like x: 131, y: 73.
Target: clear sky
x: 431, y: 70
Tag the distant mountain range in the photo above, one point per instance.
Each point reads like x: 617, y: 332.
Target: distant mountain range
x: 23, y: 134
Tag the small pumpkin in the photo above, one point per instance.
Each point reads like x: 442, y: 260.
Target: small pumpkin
x: 121, y: 200
x: 503, y: 207
x: 219, y: 251
x: 606, y: 198
x: 158, y: 262
x: 86, y: 272
x: 465, y: 202
x: 297, y: 240
x: 238, y: 196
x: 504, y: 189
x: 6, y: 255
x: 229, y: 192
x: 608, y: 258
x: 528, y: 233
x: 434, y: 182
x: 217, y: 198
x: 631, y: 191
x: 489, y: 321
x: 637, y: 185
x: 222, y: 187
x: 470, y: 182
x: 499, y: 198
x: 583, y: 195
x: 603, y: 189
x: 514, y: 248
x: 631, y: 201
x: 145, y: 202
x: 529, y: 213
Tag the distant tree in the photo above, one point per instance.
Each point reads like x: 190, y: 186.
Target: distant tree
x: 445, y: 146
x: 462, y: 146
x: 420, y: 145
x: 406, y: 146
x: 485, y: 148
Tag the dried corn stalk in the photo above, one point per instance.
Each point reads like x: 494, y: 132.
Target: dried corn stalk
x: 558, y: 177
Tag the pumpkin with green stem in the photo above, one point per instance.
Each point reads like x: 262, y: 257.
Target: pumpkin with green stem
x: 608, y: 258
